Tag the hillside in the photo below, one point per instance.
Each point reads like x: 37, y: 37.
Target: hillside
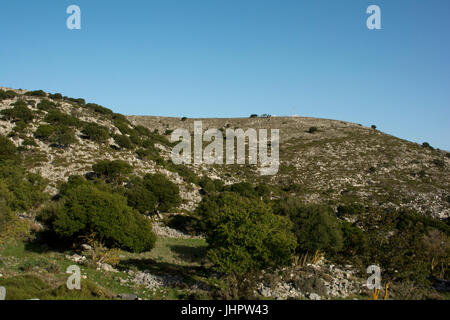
x: 338, y: 162
x: 81, y: 184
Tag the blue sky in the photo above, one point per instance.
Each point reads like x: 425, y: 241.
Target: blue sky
x: 232, y: 58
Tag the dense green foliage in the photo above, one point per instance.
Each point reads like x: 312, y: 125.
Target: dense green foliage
x: 87, y: 210
x: 123, y: 141
x: 152, y: 194
x: 46, y: 105
x: 245, y: 236
x: 316, y: 227
x: 8, y: 94
x: 99, y: 109
x: 18, y: 190
x: 95, y: 132
x: 112, y: 170
x: 55, y: 96
x: 60, y: 135
x: 57, y: 117
x: 19, y: 112
x: 36, y: 93
x: 7, y: 149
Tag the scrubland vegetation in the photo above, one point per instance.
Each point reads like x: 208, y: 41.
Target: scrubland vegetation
x: 238, y: 233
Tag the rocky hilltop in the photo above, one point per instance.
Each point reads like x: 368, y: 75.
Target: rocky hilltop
x: 336, y: 161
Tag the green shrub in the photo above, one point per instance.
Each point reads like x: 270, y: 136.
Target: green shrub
x: 46, y: 105
x: 166, y: 192
x: 149, y: 154
x: 95, y: 132
x: 19, y: 190
x: 79, y: 101
x: 245, y: 189
x: 29, y: 141
x: 87, y: 211
x: 57, y: 117
x: 112, y: 170
x: 134, y: 137
x: 143, y: 130
x: 44, y: 131
x: 9, y: 94
x: 7, y: 218
x: 246, y: 236
x: 316, y: 226
x: 8, y: 150
x: 120, y: 117
x: 36, y: 93
x: 55, y: 96
x: 140, y: 198
x: 354, y: 241
x: 207, y: 185
x: 19, y: 112
x: 123, y: 127
x: 123, y: 141
x: 186, y: 173
x: 99, y: 109
x: 350, y: 209
x: 313, y: 130
x: 253, y: 116
x: 60, y: 135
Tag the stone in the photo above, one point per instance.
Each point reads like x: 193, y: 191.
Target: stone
x: 106, y: 267
x: 314, y: 296
x: 76, y: 258
x: 85, y: 246
x: 127, y: 296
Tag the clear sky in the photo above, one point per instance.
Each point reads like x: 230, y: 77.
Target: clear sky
x: 232, y: 58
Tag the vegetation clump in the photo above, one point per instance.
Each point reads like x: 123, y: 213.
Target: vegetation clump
x: 85, y: 210
x: 19, y: 112
x: 95, y: 132
x: 245, y: 236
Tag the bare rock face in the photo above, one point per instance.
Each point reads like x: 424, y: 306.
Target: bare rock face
x: 314, y: 282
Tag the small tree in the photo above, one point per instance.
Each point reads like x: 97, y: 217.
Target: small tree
x: 140, y: 198
x: 60, y: 135
x: 246, y: 236
x: 55, y: 96
x: 86, y: 211
x: 165, y: 191
x: 19, y: 112
x: 46, y: 105
x: 312, y: 130
x: 36, y: 93
x: 316, y: 227
x: 9, y: 94
x: 8, y: 150
x: 112, y: 170
x: 95, y: 132
x: 123, y: 141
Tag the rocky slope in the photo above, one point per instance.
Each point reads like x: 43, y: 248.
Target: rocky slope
x: 340, y: 162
